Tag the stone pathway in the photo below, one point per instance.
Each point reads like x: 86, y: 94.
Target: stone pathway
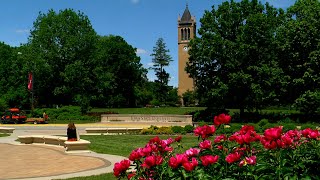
x: 42, y: 162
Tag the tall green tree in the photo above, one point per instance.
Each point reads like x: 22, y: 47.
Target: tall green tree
x: 118, y: 73
x: 161, y: 59
x: 299, y: 54
x: 62, y: 44
x: 233, y: 61
x: 13, y: 81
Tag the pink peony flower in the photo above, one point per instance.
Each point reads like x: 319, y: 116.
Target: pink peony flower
x: 178, y: 160
x: 192, y: 152
x: 151, y: 161
x: 189, y: 166
x: 220, y: 138
x: 222, y: 119
x: 233, y: 157
x: 206, y: 144
x: 178, y: 139
x: 204, y: 131
x: 121, y: 167
x: 248, y: 161
x: 273, y: 133
x: 310, y: 133
x: 209, y: 159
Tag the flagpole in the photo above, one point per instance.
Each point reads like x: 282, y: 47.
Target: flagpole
x: 30, y: 87
x: 32, y: 103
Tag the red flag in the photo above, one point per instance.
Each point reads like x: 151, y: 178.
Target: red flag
x: 30, y: 79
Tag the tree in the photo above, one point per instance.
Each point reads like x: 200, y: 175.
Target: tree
x: 233, y: 61
x: 161, y: 59
x: 118, y: 73
x: 13, y: 81
x: 299, y: 41
x: 189, y: 98
x: 62, y: 45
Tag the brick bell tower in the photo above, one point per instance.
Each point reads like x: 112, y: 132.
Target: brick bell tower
x: 186, y: 32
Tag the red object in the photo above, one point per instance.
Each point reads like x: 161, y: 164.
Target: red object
x: 30, y: 79
x: 222, y: 119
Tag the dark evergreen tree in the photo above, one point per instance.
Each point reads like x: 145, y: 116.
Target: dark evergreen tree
x: 161, y: 59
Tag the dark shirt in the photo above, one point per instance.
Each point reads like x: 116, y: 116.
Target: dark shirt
x: 72, y: 133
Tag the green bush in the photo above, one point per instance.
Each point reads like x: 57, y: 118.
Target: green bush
x: 229, y: 129
x: 263, y: 122
x: 147, y: 131
x: 308, y: 125
x: 286, y: 120
x: 65, y: 113
x: 151, y: 130
x: 178, y: 129
x: 289, y: 126
x: 164, y: 130
x: 309, y: 102
x: 188, y: 128
x: 3, y: 105
x: 267, y: 126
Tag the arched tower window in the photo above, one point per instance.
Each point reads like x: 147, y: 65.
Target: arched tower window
x: 182, y: 35
x: 185, y: 34
x: 188, y: 33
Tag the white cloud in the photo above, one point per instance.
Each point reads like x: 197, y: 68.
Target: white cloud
x: 22, y: 30
x: 141, y: 51
x: 135, y: 1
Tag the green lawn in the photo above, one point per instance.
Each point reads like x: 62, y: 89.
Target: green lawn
x: 4, y: 135
x: 107, y: 176
x: 122, y: 145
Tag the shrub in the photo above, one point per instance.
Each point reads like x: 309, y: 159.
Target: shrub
x: 178, y: 129
x: 188, y: 128
x: 207, y: 114
x: 3, y: 105
x: 164, y: 130
x: 267, y: 126
x: 147, y: 131
x: 286, y: 120
x: 308, y: 125
x: 309, y: 102
x: 263, y: 122
x: 289, y: 126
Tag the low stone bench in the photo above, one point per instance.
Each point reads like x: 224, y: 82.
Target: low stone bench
x: 113, y: 130
x: 6, y: 130
x: 55, y: 140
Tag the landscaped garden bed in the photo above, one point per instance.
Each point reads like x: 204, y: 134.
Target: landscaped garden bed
x: 245, y: 154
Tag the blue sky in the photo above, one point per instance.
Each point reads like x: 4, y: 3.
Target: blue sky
x: 139, y: 22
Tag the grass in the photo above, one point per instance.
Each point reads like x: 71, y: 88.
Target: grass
x: 106, y: 176
x: 4, y: 135
x: 122, y: 145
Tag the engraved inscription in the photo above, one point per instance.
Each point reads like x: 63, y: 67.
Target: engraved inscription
x: 151, y: 118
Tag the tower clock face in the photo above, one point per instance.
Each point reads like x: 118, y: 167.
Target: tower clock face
x: 185, y: 48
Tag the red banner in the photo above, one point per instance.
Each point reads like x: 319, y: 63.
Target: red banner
x: 30, y: 79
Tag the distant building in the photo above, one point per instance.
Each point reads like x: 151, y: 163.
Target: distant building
x: 186, y: 32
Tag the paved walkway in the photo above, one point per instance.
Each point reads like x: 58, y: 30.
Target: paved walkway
x: 42, y: 162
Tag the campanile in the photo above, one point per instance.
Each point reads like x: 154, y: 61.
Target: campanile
x: 186, y: 32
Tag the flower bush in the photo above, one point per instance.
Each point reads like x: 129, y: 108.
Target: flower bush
x: 245, y: 154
